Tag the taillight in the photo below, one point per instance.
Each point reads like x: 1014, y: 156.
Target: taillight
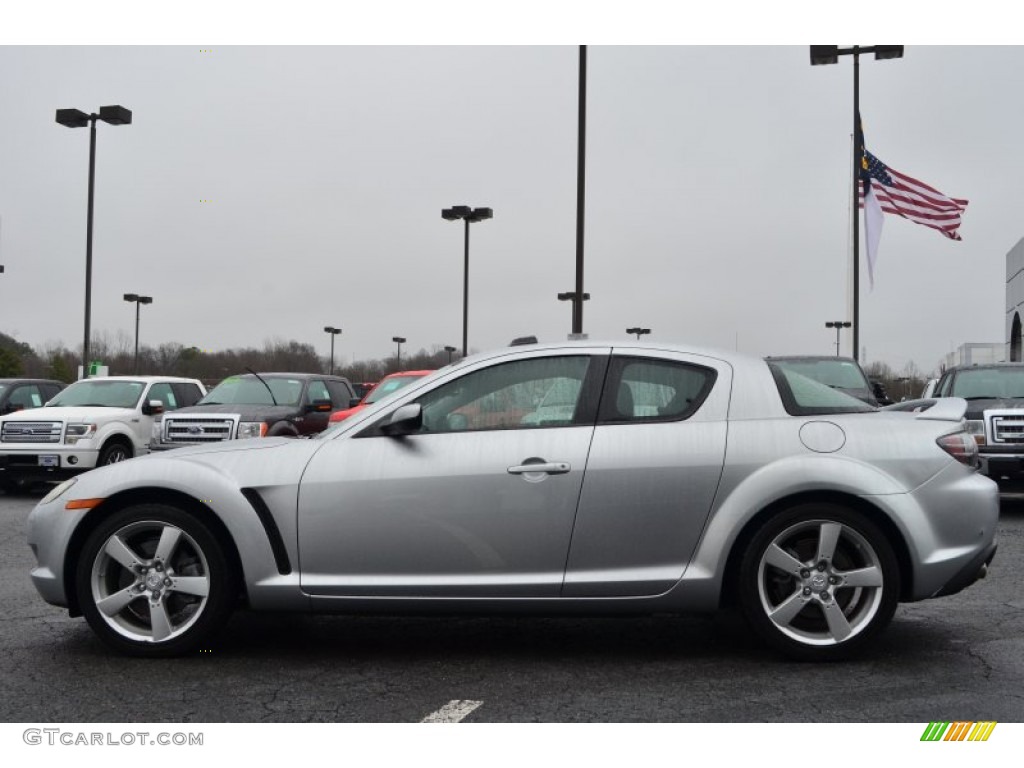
x: 961, y: 446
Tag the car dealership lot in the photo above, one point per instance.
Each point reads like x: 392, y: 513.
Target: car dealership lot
x: 957, y: 658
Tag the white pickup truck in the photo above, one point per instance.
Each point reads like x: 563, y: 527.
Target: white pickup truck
x: 91, y: 423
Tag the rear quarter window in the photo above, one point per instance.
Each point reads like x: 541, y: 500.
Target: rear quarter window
x: 802, y: 396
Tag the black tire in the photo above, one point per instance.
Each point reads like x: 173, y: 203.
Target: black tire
x: 815, y: 608
x: 114, y: 452
x: 170, y: 582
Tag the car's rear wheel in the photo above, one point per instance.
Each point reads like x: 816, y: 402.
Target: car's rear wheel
x: 153, y: 580
x: 818, y: 582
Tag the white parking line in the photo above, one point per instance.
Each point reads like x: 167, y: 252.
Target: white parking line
x: 452, y: 712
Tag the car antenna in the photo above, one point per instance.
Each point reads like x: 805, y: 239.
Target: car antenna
x: 250, y: 370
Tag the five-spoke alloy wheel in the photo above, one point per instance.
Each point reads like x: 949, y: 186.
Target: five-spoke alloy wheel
x: 152, y: 580
x: 818, y: 581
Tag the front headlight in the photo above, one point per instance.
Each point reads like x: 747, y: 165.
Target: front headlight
x: 976, y: 429
x: 76, y: 432
x: 58, y: 490
x: 251, y: 429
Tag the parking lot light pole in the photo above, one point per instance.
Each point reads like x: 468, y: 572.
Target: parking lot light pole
x: 639, y: 332
x: 449, y: 350
x: 571, y: 296
x: 470, y: 216
x: 334, y: 332
x: 838, y: 325
x: 399, y: 340
x: 829, y: 54
x: 75, y: 118
x: 139, y: 301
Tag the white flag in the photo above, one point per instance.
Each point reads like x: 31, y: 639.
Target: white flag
x: 873, y: 218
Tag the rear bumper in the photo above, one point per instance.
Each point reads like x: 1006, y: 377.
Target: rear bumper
x: 976, y: 569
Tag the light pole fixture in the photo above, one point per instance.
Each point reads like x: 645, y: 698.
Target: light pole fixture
x: 829, y: 54
x: 639, y: 332
x: 399, y: 340
x: 581, y: 187
x: 449, y: 349
x: 139, y: 301
x: 571, y: 296
x: 838, y: 325
x: 470, y: 216
x: 334, y: 332
x: 76, y: 118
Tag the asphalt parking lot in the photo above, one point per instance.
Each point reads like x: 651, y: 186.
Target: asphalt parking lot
x: 958, y: 658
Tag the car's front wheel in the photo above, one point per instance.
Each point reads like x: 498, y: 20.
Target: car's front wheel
x: 818, y: 582
x: 153, y: 580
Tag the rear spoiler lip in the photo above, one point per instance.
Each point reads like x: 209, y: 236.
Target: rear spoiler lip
x: 932, y: 408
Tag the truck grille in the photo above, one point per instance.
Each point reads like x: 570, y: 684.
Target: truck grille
x: 190, y: 430
x: 31, y: 432
x: 1007, y: 426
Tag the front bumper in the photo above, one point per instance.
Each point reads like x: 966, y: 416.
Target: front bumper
x: 46, y: 460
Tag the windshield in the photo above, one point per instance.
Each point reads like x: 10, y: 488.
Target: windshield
x: 100, y: 392
x: 994, y: 383
x: 248, y: 390
x: 803, y: 396
x: 841, y: 374
x: 388, y: 386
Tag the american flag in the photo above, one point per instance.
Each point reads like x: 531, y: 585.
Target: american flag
x: 907, y: 197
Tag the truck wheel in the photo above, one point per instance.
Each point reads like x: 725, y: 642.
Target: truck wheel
x: 113, y: 453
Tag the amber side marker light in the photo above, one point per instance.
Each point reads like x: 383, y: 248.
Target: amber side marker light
x: 83, y: 503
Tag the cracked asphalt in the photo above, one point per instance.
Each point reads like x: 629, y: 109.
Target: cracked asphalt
x: 956, y: 658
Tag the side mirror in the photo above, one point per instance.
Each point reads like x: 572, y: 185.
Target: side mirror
x: 153, y: 407
x: 353, y: 402
x: 404, y: 421
x: 320, y: 406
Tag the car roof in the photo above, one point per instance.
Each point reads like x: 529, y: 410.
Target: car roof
x: 146, y: 379
x: 285, y: 374
x: 725, y: 355
x: 822, y: 358
x: 26, y: 380
x: 982, y: 366
x: 409, y: 373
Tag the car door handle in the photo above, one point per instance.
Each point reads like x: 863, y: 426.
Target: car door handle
x: 548, y: 467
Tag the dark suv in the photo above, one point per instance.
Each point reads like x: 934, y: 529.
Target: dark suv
x: 995, y: 416
x: 22, y: 394
x: 250, y: 405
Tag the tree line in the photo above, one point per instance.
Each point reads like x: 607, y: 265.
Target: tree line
x: 55, y: 361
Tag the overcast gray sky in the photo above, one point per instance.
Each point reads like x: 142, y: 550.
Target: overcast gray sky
x: 265, y: 192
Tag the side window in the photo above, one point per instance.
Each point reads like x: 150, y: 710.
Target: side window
x: 165, y: 395
x: 524, y: 394
x: 186, y: 393
x: 50, y: 391
x: 645, y: 390
x: 316, y: 390
x: 26, y: 396
x: 942, y: 389
x: 341, y: 393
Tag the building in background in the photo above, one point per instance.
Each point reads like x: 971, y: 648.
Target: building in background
x: 1014, y: 301
x: 974, y: 354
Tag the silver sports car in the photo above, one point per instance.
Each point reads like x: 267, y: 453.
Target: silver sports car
x: 573, y: 478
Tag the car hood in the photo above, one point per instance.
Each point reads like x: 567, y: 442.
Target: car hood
x: 206, y: 471
x: 71, y: 414
x: 342, y: 415
x: 246, y: 412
